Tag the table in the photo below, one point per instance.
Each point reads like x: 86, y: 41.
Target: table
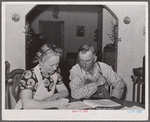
x: 120, y: 101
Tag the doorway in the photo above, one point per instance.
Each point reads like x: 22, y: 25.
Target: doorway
x: 53, y: 29
x: 53, y: 32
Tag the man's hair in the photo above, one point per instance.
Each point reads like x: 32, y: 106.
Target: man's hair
x: 85, y: 48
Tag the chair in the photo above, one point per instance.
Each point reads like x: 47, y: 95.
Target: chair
x: 71, y: 59
x: 139, y: 84
x: 12, y: 88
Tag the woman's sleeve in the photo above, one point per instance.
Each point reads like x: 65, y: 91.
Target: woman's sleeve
x: 78, y: 88
x: 28, y: 80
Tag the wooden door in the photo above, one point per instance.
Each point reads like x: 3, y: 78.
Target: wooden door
x: 53, y: 32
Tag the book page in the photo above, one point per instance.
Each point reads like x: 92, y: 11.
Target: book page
x: 101, y: 103
x: 77, y: 105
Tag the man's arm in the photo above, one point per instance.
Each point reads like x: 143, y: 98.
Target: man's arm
x: 79, y: 89
x: 116, y: 81
x: 118, y: 90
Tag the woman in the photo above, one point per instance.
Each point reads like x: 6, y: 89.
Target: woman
x: 38, y: 84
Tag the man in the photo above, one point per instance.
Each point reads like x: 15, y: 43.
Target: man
x: 87, y: 76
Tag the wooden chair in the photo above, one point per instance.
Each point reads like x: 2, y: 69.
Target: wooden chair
x: 12, y: 88
x: 138, y: 86
x: 71, y: 59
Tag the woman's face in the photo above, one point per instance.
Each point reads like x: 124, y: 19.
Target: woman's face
x: 51, y: 65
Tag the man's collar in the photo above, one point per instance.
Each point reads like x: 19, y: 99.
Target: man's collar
x: 96, y: 65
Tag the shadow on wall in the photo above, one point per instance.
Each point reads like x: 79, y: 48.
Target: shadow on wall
x: 124, y: 93
x: 66, y: 65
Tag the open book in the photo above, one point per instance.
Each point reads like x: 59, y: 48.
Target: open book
x: 101, y: 103
x: 92, y: 104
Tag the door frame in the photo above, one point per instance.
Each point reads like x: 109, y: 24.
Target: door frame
x: 117, y: 23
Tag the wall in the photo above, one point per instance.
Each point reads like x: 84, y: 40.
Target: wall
x: 108, y: 21
x: 14, y: 36
x: 131, y: 49
x: 71, y: 20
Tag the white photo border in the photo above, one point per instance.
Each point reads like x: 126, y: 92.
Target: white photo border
x: 68, y: 114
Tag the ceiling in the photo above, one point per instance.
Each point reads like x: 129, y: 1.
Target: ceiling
x: 65, y: 8
x: 70, y: 8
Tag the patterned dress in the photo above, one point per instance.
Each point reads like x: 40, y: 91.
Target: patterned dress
x: 29, y: 80
x: 42, y: 85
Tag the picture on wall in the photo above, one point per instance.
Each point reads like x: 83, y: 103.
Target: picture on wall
x: 80, y: 31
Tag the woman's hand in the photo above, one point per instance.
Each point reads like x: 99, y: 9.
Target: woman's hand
x: 52, y: 98
x: 62, y: 103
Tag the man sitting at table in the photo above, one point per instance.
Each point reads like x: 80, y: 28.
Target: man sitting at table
x: 89, y: 77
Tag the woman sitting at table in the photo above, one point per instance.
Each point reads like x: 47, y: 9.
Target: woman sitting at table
x: 38, y: 84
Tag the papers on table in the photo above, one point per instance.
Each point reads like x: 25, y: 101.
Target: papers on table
x: 92, y: 104
x: 101, y: 103
x: 77, y: 105
x: 132, y: 108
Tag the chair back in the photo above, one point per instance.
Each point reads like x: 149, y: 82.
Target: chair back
x: 12, y: 91
x: 71, y: 59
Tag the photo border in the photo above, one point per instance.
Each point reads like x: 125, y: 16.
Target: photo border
x: 9, y: 112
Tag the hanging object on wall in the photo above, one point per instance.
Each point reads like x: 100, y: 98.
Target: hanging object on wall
x: 96, y: 35
x: 55, y: 12
x: 127, y: 20
x: 15, y: 17
x: 80, y: 31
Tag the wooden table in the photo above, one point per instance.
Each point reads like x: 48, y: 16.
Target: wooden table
x: 122, y: 102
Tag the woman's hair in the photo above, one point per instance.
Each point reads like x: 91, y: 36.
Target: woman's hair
x: 46, y: 51
x: 85, y: 48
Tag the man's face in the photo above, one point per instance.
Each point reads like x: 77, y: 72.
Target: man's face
x: 87, y: 60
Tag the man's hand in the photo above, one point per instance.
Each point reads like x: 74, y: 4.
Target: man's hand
x: 101, y: 81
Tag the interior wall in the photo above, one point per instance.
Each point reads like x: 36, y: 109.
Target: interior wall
x: 108, y: 22
x: 14, y: 36
x: 71, y: 21
x: 131, y: 49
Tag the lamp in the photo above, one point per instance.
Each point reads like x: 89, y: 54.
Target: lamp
x: 55, y: 12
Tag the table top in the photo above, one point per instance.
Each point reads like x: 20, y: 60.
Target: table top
x: 124, y: 103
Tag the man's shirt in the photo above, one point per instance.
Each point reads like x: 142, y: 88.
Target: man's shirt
x: 102, y: 72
